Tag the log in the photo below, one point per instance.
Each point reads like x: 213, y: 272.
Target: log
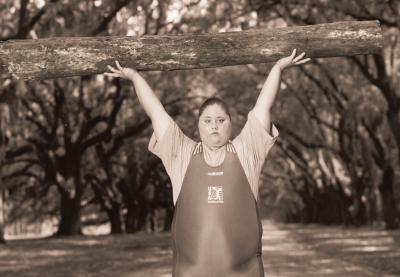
x: 76, y: 56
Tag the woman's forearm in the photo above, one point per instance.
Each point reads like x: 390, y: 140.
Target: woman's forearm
x: 149, y: 101
x: 270, y: 88
x: 267, y: 97
x: 151, y: 105
x: 147, y: 98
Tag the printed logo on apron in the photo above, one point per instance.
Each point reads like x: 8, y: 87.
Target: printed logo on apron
x: 215, y: 194
x: 217, y: 173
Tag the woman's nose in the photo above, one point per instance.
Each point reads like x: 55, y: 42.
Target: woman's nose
x: 214, y: 125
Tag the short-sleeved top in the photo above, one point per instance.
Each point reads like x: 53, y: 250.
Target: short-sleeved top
x: 252, y: 146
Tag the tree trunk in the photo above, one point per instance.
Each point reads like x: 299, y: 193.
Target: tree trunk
x: 345, y: 202
x: 2, y: 199
x: 130, y: 218
x: 114, y: 216
x: 360, y: 211
x: 143, y: 211
x: 168, y: 219
x: 70, y: 217
x: 73, y: 56
x: 388, y: 201
x: 113, y: 210
x: 2, y: 240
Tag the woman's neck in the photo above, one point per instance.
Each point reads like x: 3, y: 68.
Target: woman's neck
x: 213, y: 148
x: 214, y: 155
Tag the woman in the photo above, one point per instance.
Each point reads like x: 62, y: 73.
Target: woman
x: 216, y: 228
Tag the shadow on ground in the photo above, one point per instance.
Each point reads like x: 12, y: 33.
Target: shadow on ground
x: 298, y: 250
x: 374, y: 250
x: 288, y: 250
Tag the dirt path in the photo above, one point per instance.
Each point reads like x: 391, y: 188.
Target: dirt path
x: 285, y: 256
x: 288, y: 251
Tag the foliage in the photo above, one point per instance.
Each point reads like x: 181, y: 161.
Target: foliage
x: 82, y: 141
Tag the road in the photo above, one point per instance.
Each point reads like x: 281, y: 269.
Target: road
x: 289, y: 250
x: 286, y: 255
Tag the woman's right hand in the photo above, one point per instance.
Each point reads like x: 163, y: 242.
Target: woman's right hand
x: 292, y: 60
x: 121, y: 72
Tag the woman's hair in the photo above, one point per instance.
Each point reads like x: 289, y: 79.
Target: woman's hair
x: 214, y: 101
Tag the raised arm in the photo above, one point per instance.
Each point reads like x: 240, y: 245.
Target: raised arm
x: 262, y: 109
x: 149, y: 101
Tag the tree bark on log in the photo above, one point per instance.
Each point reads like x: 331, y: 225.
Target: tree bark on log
x: 77, y: 56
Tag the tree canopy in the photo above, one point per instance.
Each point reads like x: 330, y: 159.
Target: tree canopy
x: 74, y: 149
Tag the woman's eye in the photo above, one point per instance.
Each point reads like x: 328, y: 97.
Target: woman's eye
x: 207, y: 121
x: 221, y: 120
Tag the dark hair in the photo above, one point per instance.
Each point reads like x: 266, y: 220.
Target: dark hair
x: 214, y: 101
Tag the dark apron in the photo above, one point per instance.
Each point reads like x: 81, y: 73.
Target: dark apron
x: 216, y: 229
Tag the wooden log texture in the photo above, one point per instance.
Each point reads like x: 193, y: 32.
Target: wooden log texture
x: 74, y: 56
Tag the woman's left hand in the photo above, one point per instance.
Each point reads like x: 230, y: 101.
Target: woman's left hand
x: 292, y: 60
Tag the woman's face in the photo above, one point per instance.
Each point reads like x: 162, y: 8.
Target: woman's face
x: 214, y: 126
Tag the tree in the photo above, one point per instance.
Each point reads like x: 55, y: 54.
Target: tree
x: 4, y: 121
x: 374, y: 73
x: 345, y: 152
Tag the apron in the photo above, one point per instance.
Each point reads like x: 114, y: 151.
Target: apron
x: 216, y: 229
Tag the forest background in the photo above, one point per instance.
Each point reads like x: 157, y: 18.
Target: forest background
x: 74, y: 150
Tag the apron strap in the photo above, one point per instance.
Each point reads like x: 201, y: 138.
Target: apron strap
x: 199, y: 148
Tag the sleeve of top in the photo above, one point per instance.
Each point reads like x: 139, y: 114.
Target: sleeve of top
x: 252, y: 146
x: 174, y: 149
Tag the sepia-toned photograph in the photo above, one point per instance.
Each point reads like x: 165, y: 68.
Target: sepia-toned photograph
x: 199, y: 138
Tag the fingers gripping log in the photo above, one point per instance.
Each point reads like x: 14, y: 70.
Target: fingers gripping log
x: 75, y: 56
